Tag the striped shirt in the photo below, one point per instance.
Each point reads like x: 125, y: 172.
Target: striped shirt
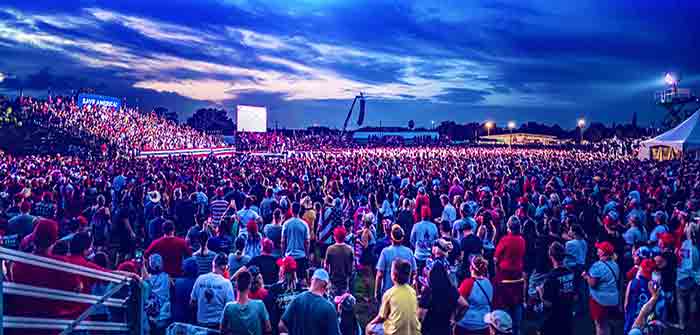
x: 204, y: 261
x: 217, y: 208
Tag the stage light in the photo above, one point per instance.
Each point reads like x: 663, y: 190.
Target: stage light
x: 670, y: 79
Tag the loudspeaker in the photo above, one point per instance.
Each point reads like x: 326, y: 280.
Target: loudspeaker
x: 361, y: 118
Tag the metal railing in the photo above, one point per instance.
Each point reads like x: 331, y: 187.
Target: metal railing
x: 670, y: 95
x: 132, y: 305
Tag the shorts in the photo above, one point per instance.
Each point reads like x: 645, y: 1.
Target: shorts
x: 600, y: 312
x: 461, y: 331
x: 302, y: 266
x: 536, y: 280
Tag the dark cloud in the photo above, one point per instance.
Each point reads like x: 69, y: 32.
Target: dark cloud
x: 44, y: 79
x: 463, y: 96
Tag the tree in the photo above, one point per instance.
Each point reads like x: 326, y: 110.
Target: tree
x: 595, y: 132
x: 411, y: 124
x: 211, y: 120
x: 165, y: 113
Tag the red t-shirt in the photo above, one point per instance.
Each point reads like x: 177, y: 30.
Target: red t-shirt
x: 86, y: 281
x: 173, y: 250
x: 465, y: 289
x: 260, y: 294
x: 42, y: 277
x: 510, y: 253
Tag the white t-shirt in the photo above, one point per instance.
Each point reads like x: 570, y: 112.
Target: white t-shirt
x: 212, y: 292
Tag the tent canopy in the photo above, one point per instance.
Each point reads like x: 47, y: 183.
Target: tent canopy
x: 684, y: 137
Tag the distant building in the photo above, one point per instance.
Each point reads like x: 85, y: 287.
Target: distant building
x: 522, y: 139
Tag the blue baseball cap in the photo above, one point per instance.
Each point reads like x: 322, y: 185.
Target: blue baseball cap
x: 321, y: 274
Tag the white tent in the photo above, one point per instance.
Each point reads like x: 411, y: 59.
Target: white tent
x: 678, y: 141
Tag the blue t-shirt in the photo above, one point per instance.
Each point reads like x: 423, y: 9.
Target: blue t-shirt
x: 310, y: 314
x: 274, y: 233
x: 212, y: 292
x: 575, y: 253
x: 245, y: 215
x: 633, y: 235
x: 479, y: 304
x: 423, y: 236
x: 296, y: 232
x: 606, y: 292
x: 181, y: 300
x: 660, y: 229
x: 458, y: 227
x: 387, y: 256
x: 245, y: 319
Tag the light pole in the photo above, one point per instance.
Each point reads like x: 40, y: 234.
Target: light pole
x: 488, y: 126
x: 581, y: 124
x: 511, y: 126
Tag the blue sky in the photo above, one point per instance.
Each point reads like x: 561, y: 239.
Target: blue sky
x: 540, y: 60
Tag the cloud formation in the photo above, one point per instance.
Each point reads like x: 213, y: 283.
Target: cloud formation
x: 533, y: 60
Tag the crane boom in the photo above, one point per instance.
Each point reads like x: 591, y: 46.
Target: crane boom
x: 347, y: 118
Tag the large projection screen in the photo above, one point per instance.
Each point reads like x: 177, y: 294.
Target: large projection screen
x: 251, y: 119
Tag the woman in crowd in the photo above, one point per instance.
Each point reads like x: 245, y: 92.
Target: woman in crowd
x: 603, y: 278
x: 476, y: 296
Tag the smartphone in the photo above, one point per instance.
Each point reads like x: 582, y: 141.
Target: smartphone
x: 138, y: 255
x: 656, y: 279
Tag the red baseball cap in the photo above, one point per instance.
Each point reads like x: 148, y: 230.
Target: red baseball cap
x: 606, y: 247
x: 339, y: 233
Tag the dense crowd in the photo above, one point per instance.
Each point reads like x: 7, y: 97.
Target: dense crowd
x: 435, y: 240
x: 302, y: 140
x: 125, y: 129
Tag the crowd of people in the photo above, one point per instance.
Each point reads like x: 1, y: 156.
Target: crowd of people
x: 126, y: 129
x: 435, y: 240
x: 290, y: 140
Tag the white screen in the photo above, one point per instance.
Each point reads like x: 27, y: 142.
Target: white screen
x: 251, y: 119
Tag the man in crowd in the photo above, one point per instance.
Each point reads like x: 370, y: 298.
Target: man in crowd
x: 211, y: 293
x: 247, y: 214
x: 45, y: 208
x: 310, y: 313
x: 22, y: 224
x: 218, y: 206
x: 173, y: 250
x: 383, y: 280
x: 295, y: 241
x: 423, y: 236
x: 339, y: 262
x: 245, y: 316
x: 449, y: 212
x: 467, y: 219
x: 557, y: 294
x: 155, y: 226
x: 510, y: 281
x: 266, y: 263
x: 398, y: 312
